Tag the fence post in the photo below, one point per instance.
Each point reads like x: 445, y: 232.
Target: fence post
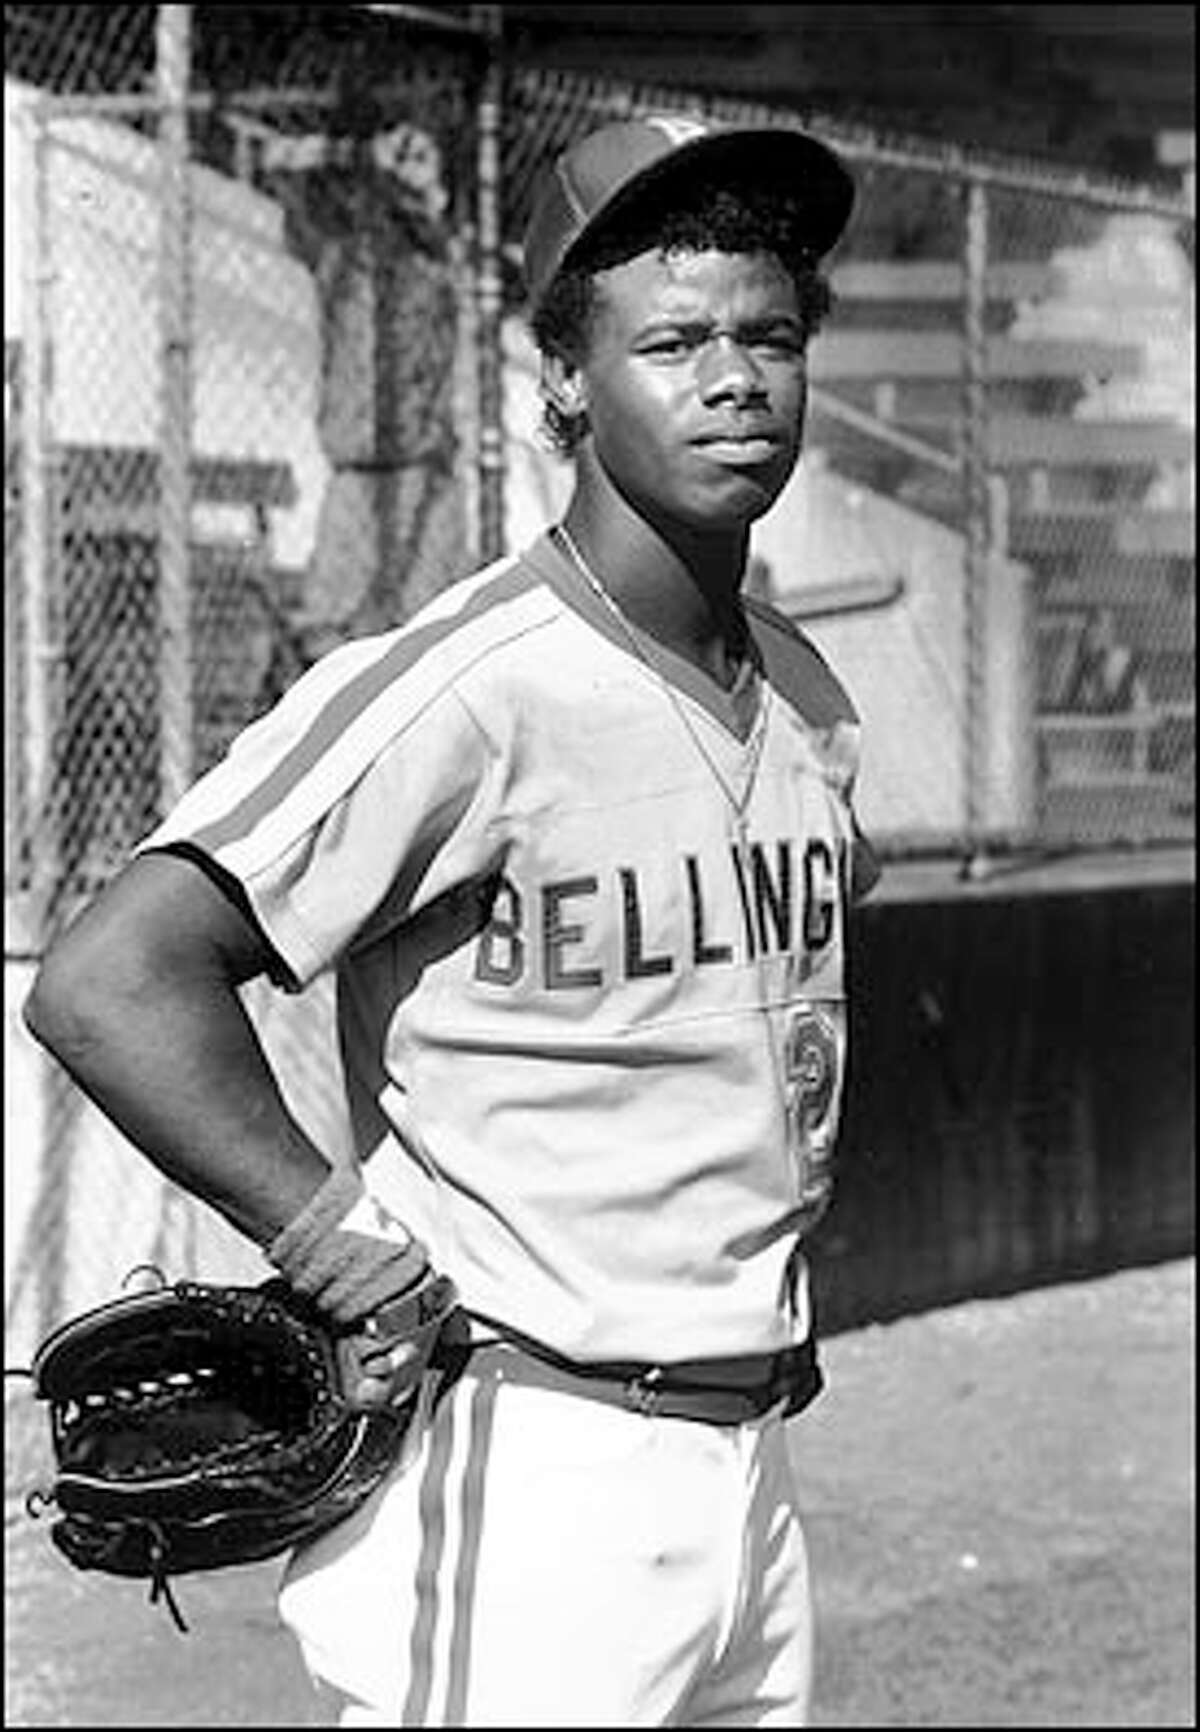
x: 172, y: 74
x: 489, y: 290
x: 36, y: 1280
x: 977, y: 511
x: 175, y: 668
x: 39, y: 553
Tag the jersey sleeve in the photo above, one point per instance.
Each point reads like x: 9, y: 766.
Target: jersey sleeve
x: 345, y: 808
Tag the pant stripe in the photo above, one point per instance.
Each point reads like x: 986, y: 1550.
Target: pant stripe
x: 428, y: 1567
x: 470, y: 1530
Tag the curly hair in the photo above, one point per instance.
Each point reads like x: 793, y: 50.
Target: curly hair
x: 718, y: 216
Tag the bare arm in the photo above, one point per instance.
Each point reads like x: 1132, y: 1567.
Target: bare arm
x: 139, y: 1001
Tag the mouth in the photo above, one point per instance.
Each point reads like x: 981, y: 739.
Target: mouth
x: 741, y: 450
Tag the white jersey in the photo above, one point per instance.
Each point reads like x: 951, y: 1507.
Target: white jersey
x: 587, y: 913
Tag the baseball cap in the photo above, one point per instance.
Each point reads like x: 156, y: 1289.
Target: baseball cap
x: 615, y: 167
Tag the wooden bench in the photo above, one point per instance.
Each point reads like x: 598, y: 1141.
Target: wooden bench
x: 898, y: 354
x: 1134, y: 811
x: 1115, y: 580
x: 939, y: 280
x: 1101, y: 531
x: 106, y: 489
x: 1070, y: 500
x: 108, y: 532
x: 1125, y: 741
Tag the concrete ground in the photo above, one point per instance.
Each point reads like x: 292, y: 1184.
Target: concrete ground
x: 1000, y: 1503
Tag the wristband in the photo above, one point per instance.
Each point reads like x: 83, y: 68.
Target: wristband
x: 345, y: 1251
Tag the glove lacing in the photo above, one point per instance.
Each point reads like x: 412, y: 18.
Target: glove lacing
x: 160, y: 1585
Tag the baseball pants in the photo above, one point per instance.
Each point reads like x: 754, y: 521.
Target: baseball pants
x: 546, y: 1559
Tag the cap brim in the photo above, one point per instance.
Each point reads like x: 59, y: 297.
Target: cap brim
x: 779, y: 157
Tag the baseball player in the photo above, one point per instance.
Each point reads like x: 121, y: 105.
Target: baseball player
x: 578, y: 841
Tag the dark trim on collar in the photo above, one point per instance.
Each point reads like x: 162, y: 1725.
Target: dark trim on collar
x: 736, y: 710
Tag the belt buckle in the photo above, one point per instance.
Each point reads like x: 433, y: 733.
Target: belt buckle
x: 641, y: 1392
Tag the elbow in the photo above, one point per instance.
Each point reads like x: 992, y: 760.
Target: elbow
x: 44, y: 1011
x: 155, y: 942
x: 65, y: 1005
x: 93, y: 977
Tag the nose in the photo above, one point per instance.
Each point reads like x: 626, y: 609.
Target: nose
x: 729, y: 372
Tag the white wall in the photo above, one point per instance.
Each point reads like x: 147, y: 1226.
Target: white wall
x: 255, y: 309
x: 906, y: 665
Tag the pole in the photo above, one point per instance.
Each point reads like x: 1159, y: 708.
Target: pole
x: 42, y: 1262
x: 977, y: 512
x: 41, y: 612
x: 172, y: 72
x: 489, y: 291
x: 175, y: 683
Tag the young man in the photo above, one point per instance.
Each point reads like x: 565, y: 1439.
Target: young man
x: 578, y: 841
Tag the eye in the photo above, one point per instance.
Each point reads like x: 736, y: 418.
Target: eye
x: 779, y: 341
x: 669, y: 345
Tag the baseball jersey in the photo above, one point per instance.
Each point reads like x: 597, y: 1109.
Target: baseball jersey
x: 587, y: 913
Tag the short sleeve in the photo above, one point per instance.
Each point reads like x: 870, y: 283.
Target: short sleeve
x: 347, y: 807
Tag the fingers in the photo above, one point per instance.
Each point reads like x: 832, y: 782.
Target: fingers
x: 379, y: 1374
x: 376, y: 1392
x: 381, y: 1361
x: 385, y: 1354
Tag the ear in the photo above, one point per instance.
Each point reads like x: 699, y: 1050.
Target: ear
x: 563, y: 385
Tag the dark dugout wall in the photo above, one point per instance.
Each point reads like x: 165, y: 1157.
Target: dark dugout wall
x: 1020, y: 1101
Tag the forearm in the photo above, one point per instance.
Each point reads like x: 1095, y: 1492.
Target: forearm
x: 182, y: 1074
x: 140, y: 1002
x: 147, y: 1018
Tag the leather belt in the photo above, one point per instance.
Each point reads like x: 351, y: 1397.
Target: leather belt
x: 731, y: 1391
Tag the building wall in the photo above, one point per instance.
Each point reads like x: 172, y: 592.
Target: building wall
x: 1021, y: 1102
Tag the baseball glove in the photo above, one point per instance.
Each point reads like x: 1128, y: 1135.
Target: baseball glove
x: 201, y: 1426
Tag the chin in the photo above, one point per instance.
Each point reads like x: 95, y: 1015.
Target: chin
x: 738, y: 508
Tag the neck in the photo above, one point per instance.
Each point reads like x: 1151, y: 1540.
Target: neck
x: 682, y: 588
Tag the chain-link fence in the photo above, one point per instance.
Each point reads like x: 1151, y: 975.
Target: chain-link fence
x: 993, y: 527
x: 265, y: 371
x: 242, y: 425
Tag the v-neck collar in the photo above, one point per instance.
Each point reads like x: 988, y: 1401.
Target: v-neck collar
x: 736, y: 709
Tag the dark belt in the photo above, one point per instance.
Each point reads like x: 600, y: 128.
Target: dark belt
x: 729, y: 1391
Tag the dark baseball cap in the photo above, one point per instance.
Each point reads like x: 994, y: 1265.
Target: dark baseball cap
x: 611, y: 169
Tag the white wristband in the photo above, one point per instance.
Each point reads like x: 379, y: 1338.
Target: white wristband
x: 369, y: 1216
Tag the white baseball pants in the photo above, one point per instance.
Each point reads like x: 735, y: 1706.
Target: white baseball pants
x: 545, y: 1559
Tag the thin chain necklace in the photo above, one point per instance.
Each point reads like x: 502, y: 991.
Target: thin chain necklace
x: 769, y: 1001
x: 738, y: 803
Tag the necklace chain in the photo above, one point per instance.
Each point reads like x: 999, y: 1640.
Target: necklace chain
x: 738, y: 804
